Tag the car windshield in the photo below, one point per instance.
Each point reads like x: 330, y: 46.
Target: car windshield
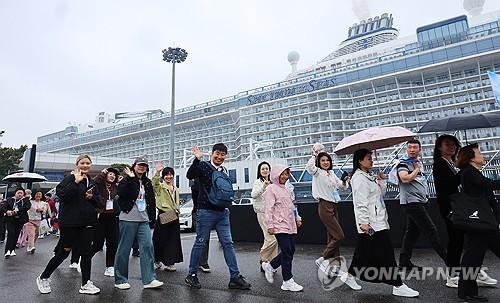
x: 188, y: 204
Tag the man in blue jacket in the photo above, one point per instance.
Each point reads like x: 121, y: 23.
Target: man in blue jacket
x: 210, y: 216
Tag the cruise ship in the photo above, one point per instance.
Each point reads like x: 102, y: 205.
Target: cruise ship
x: 374, y: 78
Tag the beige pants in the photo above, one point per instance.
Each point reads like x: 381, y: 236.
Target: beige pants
x: 269, y: 249
x: 32, y: 230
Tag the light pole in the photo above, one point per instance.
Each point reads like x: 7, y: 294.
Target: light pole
x: 174, y: 55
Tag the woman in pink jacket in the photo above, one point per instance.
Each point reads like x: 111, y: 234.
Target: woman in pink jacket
x: 282, y: 221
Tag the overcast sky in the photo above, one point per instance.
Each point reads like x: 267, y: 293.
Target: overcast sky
x: 63, y: 61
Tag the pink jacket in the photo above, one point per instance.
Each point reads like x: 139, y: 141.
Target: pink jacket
x: 279, y: 205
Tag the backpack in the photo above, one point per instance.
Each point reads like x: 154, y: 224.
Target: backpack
x: 221, y: 193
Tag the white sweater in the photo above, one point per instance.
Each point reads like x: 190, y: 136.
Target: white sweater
x: 369, y: 208
x: 324, y: 182
x: 257, y: 195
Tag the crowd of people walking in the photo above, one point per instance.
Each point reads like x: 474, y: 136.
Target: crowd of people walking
x: 118, y: 211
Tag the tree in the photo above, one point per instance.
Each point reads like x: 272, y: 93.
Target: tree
x: 10, y: 158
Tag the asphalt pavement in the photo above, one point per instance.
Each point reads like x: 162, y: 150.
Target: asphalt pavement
x: 17, y: 279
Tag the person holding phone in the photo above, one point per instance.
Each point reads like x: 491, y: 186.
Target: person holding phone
x: 79, y: 202
x: 325, y: 186
x: 374, y: 248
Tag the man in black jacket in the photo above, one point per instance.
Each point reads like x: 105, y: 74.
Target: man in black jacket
x: 210, y: 216
x: 16, y: 214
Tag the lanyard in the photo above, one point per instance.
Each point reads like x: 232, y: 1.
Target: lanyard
x: 141, y: 190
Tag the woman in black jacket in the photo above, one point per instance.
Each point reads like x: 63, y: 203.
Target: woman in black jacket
x: 137, y: 202
x: 476, y: 243
x: 15, y: 210
x: 79, y: 201
x: 107, y: 220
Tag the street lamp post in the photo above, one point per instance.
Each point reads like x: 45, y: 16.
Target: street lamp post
x: 174, y: 55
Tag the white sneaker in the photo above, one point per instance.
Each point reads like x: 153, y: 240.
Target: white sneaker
x: 153, y: 284
x: 12, y: 253
x: 404, y: 291
x: 319, y: 261
x: 291, y: 285
x: 170, y: 268
x: 73, y: 265
x: 89, y: 289
x: 43, y: 285
x: 350, y: 281
x: 109, y: 272
x: 123, y: 286
x: 41, y: 236
x: 7, y: 254
x: 484, y: 280
x: 452, y: 282
x: 268, y: 271
x: 159, y: 265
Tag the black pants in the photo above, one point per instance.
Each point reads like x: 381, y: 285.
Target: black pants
x: 286, y: 245
x: 455, y: 244
x: 419, y: 221
x: 14, y: 228
x: 374, y: 260
x: 68, y: 238
x: 106, y: 230
x: 475, y: 246
x: 2, y: 227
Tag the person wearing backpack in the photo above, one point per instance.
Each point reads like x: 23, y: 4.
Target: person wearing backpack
x: 214, y: 198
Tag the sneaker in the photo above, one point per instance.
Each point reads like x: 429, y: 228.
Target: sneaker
x: 319, y: 261
x: 205, y: 268
x: 123, y: 286
x: 192, y: 281
x: 291, y: 285
x: 89, y: 289
x: 239, y: 283
x: 404, y: 291
x: 268, y: 271
x: 41, y: 236
x: 31, y: 250
x: 7, y: 254
x: 452, y: 282
x: 350, y: 281
x: 12, y: 253
x: 323, y: 265
x: 484, y: 280
x: 170, y: 268
x: 109, y: 272
x: 43, y: 285
x: 153, y: 284
x: 135, y: 253
x: 73, y: 265
x: 159, y: 265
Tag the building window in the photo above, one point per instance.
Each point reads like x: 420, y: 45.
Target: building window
x: 232, y: 175
x: 247, y: 175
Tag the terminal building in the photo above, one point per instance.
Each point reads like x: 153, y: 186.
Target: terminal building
x: 374, y: 78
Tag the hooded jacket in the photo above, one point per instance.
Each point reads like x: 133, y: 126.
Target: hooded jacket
x: 279, y: 205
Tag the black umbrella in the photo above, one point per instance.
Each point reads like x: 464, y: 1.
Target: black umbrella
x: 462, y: 122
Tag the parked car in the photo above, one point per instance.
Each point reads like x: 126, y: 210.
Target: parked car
x: 186, y: 216
x: 243, y: 201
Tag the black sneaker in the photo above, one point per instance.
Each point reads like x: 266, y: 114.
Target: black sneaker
x: 205, y: 268
x: 135, y: 253
x: 239, y: 283
x: 192, y: 281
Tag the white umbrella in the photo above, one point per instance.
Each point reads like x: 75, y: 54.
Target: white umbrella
x: 373, y: 138
x: 24, y: 177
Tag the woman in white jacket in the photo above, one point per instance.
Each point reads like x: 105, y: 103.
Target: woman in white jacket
x: 373, y: 259
x: 269, y: 249
x: 325, y: 185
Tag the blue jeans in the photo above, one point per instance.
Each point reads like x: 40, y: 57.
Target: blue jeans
x: 128, y: 232
x: 206, y: 220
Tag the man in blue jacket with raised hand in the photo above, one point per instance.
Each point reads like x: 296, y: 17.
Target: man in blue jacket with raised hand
x: 213, y: 199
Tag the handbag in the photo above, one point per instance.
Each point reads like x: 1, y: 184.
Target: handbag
x: 169, y: 215
x: 473, y: 213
